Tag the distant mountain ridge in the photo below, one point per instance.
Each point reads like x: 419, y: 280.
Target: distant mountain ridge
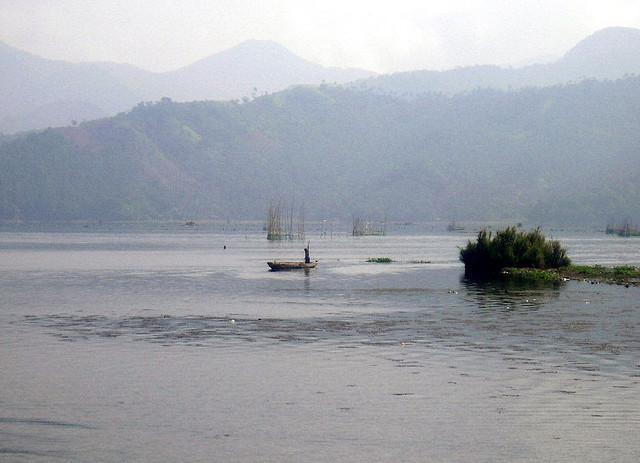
x: 38, y: 93
x: 240, y: 66
x: 610, y: 53
x: 31, y: 88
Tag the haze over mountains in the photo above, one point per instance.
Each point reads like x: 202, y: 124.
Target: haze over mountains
x: 610, y: 53
x: 564, y: 154
x: 38, y: 93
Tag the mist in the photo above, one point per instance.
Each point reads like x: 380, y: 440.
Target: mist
x: 379, y: 36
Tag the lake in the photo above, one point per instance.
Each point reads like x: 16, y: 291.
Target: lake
x: 154, y: 343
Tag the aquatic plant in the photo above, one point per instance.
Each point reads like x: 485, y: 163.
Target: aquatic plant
x: 532, y: 275
x: 510, y: 248
x: 380, y: 260
x: 621, y: 274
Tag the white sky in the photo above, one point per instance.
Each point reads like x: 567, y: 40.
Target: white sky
x: 380, y: 35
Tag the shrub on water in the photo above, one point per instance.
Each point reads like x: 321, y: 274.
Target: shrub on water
x: 490, y: 254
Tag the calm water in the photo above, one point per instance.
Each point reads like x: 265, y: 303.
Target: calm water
x: 155, y: 344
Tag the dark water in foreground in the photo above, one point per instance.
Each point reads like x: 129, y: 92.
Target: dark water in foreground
x: 161, y: 346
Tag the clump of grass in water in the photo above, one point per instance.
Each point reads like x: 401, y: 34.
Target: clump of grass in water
x: 380, y: 260
x: 511, y: 248
x: 530, y: 257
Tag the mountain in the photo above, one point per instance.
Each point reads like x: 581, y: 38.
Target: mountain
x: 38, y: 93
x: 610, y: 53
x: 564, y: 154
x: 254, y: 66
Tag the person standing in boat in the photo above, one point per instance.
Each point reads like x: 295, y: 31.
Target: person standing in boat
x: 307, y: 259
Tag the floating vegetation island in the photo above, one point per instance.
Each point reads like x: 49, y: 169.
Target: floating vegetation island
x: 529, y: 256
x: 380, y: 260
x: 626, y: 275
x: 511, y: 248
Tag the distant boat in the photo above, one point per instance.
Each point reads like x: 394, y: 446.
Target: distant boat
x: 291, y: 265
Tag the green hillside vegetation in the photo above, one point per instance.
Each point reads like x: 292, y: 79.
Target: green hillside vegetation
x: 566, y: 154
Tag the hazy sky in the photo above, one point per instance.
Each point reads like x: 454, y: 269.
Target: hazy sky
x: 382, y: 36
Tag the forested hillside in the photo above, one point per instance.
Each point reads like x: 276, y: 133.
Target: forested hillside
x: 566, y: 154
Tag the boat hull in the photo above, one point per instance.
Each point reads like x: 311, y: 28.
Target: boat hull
x: 288, y: 265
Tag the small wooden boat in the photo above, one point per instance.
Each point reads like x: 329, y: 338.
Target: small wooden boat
x: 291, y: 265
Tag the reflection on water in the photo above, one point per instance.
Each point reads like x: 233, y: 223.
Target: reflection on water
x: 506, y: 295
x: 166, y: 346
